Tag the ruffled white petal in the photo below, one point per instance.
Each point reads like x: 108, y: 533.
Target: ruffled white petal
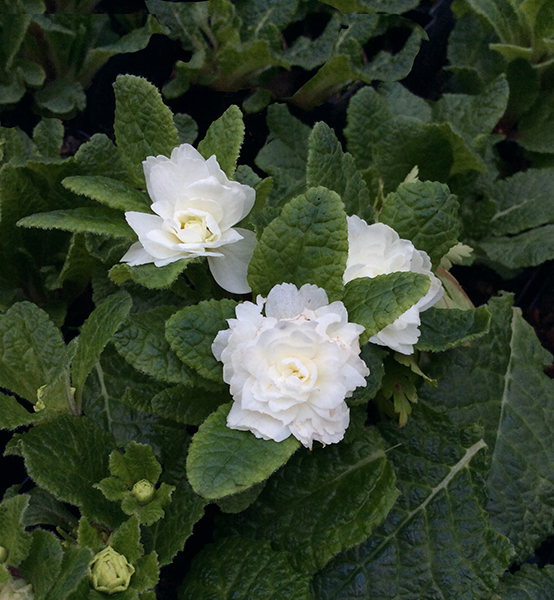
x: 230, y: 269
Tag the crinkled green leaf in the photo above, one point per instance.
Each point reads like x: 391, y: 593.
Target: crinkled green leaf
x: 323, y: 501
x: 236, y: 503
x: 223, y: 461
x: 147, y: 573
x: 330, y: 167
x: 99, y: 156
x: 137, y: 463
x: 62, y: 97
x: 224, y: 139
x: 111, y: 192
x: 503, y: 17
x: 373, y: 356
x: 113, y: 488
x: 187, y: 129
x: 191, y: 332
x: 42, y: 566
x: 126, y: 540
x: 67, y: 455
x: 143, y: 124
x: 168, y: 535
x: 74, y: 570
x: 499, y: 382
x: 528, y: 583
x: 426, y: 213
x: 284, y: 156
x: 13, y: 414
x: 240, y: 568
x: 31, y: 347
x: 307, y: 243
x: 141, y: 341
x: 151, y: 512
x: 99, y: 220
x: 88, y: 536
x: 376, y: 302
x: 48, y: 137
x: 96, y: 332
x: 442, y: 329
x: 437, y: 536
x: 44, y: 509
x: 13, y: 536
x: 150, y: 276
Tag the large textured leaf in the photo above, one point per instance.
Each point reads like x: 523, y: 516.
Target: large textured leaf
x: 150, y: 276
x: 499, y: 382
x: 378, y: 301
x: 42, y: 566
x: 323, y: 501
x: 239, y: 568
x: 307, y: 243
x: 223, y: 461
x: 111, y: 192
x: 527, y: 249
x: 143, y: 124
x: 13, y: 537
x: 436, y: 541
x: 529, y: 583
x: 74, y: 570
x: 191, y: 332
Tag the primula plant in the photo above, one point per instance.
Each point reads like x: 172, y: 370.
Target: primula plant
x: 280, y: 389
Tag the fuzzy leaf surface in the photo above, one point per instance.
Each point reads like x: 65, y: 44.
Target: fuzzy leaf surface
x: 323, y: 501
x: 74, y: 569
x: 240, y: 568
x: 440, y: 475
x: 13, y: 414
x: 527, y: 249
x: 529, y: 583
x: 13, y: 536
x: 224, y: 461
x: 307, y: 243
x: 150, y: 276
x: 48, y: 137
x: 43, y: 564
x: 111, y: 192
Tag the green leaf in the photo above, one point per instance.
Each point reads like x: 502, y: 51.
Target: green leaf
x: 147, y: 573
x: 387, y: 6
x: 536, y: 127
x: 67, y: 455
x: 239, y: 568
x: 241, y: 501
x: 187, y: 129
x: 13, y: 536
x: 126, y: 540
x: 438, y: 514
x: 31, y: 347
x: 224, y: 139
x: 330, y: 167
x: 223, y: 461
x: 137, y: 463
x: 188, y: 405
x: 74, y: 569
x: 285, y: 154
x: 13, y: 414
x: 323, y: 501
x: 43, y: 564
x: 499, y: 382
x: 191, y: 332
x: 442, y: 329
x: 96, y: 332
x: 143, y: 124
x: 426, y: 213
x: 503, y: 18
x: 99, y: 156
x: 62, y: 97
x: 168, y: 535
x: 111, y: 192
x: 378, y: 301
x: 44, y: 509
x: 307, y: 243
x: 99, y: 220
x: 141, y: 341
x: 88, y: 536
x: 528, y: 583
x: 150, y: 276
x: 113, y: 488
x: 48, y: 137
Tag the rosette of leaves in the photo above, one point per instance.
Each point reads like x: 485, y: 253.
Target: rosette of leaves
x: 133, y: 480
x: 241, y: 45
x: 58, y: 54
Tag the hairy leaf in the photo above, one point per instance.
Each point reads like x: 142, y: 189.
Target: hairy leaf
x: 111, y: 192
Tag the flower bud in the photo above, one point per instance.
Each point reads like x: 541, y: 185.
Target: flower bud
x: 143, y: 491
x: 16, y: 589
x: 3, y: 555
x: 110, y: 572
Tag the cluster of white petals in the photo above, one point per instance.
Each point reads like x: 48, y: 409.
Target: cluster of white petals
x: 16, y: 589
x: 290, y: 370
x: 377, y: 250
x: 195, y: 207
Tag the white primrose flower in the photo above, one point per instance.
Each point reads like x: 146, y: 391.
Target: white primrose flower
x: 196, y: 206
x: 377, y: 250
x: 290, y: 370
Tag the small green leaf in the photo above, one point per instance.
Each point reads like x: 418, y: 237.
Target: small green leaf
x: 191, y: 332
x: 111, y: 192
x: 42, y: 566
x: 113, y: 488
x: 137, y: 463
x: 13, y: 414
x: 99, y: 220
x: 48, y: 137
x: 378, y: 301
x: 235, y: 567
x: 223, y: 461
x: 96, y: 332
x: 150, y: 276
x: 323, y: 501
x: 224, y: 139
x: 187, y: 129
x: 143, y: 124
x: 74, y: 570
x: 13, y: 536
x: 126, y: 540
x: 188, y: 405
x: 147, y: 573
x: 442, y: 329
x: 426, y: 213
x: 307, y: 243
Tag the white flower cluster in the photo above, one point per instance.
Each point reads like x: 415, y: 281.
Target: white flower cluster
x: 291, y: 369
x: 16, y: 589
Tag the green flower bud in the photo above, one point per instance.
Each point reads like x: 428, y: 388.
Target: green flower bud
x: 16, y: 589
x: 3, y: 555
x: 110, y: 572
x: 143, y: 491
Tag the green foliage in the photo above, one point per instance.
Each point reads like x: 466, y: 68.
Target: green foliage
x: 529, y: 582
x: 150, y: 276
x: 307, y: 243
x: 244, y: 569
x: 13, y: 537
x: 111, y: 192
x: 223, y: 461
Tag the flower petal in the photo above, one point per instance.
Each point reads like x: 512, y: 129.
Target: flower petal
x: 230, y: 270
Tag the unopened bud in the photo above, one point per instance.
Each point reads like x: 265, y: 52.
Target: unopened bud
x: 110, y: 572
x: 143, y: 491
